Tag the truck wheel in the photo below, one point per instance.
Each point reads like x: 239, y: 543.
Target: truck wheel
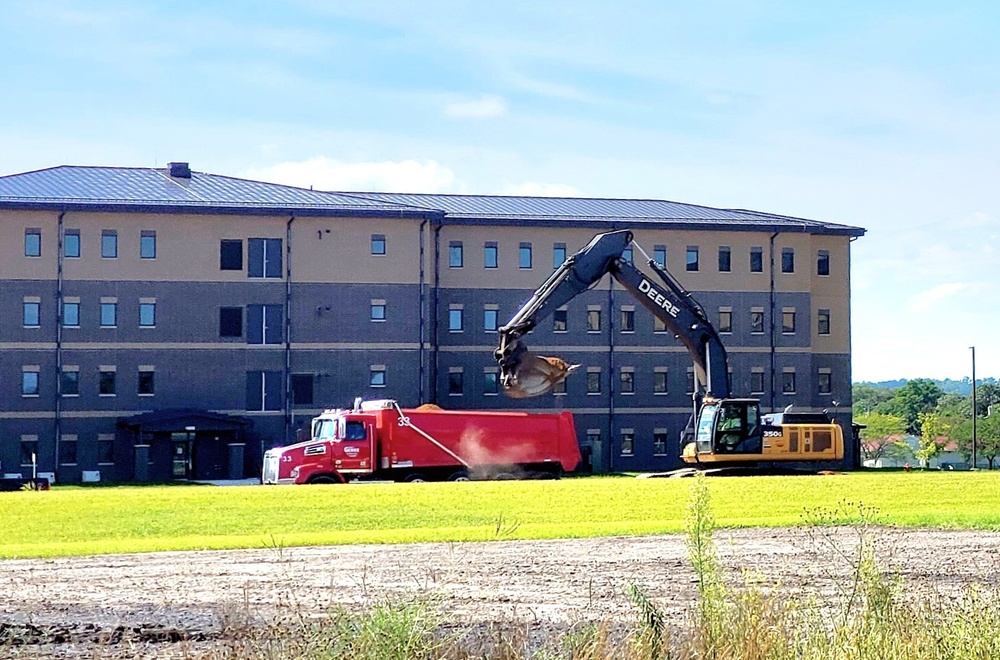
x: 504, y: 476
x: 461, y: 475
x: 323, y: 480
x: 415, y: 478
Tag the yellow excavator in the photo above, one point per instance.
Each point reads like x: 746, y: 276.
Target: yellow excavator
x: 724, y: 431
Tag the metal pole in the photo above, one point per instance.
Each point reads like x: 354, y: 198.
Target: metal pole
x: 973, y: 348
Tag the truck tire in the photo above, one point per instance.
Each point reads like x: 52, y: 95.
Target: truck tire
x: 461, y: 475
x: 323, y: 480
x: 505, y: 476
x: 415, y: 478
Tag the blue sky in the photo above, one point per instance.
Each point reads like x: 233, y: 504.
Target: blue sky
x: 884, y: 115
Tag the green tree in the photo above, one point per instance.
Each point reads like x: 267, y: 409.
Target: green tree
x: 882, y: 436
x: 955, y: 405
x: 868, y: 397
x: 987, y: 439
x: 987, y: 394
x: 933, y: 436
x: 919, y: 395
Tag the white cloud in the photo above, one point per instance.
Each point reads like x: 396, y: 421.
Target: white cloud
x: 533, y: 189
x: 485, y: 107
x: 324, y: 173
x: 925, y: 301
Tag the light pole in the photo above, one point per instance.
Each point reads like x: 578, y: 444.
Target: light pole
x: 973, y: 348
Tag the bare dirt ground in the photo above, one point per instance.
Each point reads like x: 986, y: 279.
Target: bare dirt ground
x: 176, y: 604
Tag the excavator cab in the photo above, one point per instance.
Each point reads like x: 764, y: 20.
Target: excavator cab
x: 727, y: 426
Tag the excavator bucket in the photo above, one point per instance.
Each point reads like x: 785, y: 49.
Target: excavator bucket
x: 535, y: 375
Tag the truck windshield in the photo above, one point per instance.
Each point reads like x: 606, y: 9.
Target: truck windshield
x: 706, y: 421
x: 355, y: 431
x: 324, y: 429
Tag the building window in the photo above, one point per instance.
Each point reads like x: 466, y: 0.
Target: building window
x: 725, y: 320
x: 659, y: 442
x: 788, y: 382
x: 593, y: 319
x: 109, y: 244
x: 593, y: 438
x: 691, y: 263
x: 593, y: 380
x: 302, y: 389
x: 71, y: 314
x: 109, y: 314
x: 376, y: 376
x: 658, y: 325
x: 455, y: 254
x: 823, y: 322
x: 490, y: 319
x: 264, y: 391
x: 558, y: 254
x: 788, y: 321
x: 455, y: 319
x: 265, y: 324
x: 559, y: 388
x: 106, y: 383
x: 264, y: 258
x: 147, y: 382
x: 725, y: 259
x: 628, y: 442
x: 378, y: 244
x: 659, y: 380
x: 32, y: 242
x: 230, y: 321
x: 71, y: 243
x: 147, y: 314
x: 31, y: 314
x: 757, y: 381
x: 29, y: 382
x: 757, y: 322
x: 689, y: 383
x: 627, y: 380
x: 559, y: 320
x: 69, y: 382
x: 524, y: 255
x: 787, y: 260
x: 660, y: 255
x: 378, y: 311
x: 491, y: 382
x: 29, y: 449
x: 756, y: 260
x: 456, y: 381
x: 628, y: 319
x: 823, y: 262
x: 824, y: 382
x: 627, y: 255
x: 106, y: 450
x: 490, y: 255
x: 231, y: 254
x: 67, y: 450
x: 147, y: 245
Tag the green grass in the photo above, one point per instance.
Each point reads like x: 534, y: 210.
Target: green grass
x: 77, y: 521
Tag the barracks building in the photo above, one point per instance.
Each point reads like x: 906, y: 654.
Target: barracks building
x: 162, y: 323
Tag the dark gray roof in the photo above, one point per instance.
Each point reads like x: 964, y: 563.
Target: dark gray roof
x: 628, y: 213
x: 153, y: 189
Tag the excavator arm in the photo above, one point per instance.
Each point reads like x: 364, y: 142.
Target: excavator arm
x: 523, y: 374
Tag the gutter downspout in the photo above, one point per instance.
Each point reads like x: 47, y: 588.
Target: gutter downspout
x: 435, y: 305
x: 288, y: 333
x: 422, y: 295
x: 773, y: 303
x: 59, y: 340
x: 611, y: 373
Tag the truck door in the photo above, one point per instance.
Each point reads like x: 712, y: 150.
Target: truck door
x: 356, y: 445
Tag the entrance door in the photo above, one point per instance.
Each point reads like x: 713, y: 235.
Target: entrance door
x: 180, y: 455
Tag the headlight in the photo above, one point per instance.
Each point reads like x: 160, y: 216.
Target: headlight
x: 295, y: 473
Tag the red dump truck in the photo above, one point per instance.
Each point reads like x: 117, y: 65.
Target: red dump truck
x: 379, y: 440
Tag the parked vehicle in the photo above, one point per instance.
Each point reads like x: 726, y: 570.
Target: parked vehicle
x: 380, y: 440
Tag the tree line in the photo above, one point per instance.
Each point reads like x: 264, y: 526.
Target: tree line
x: 922, y: 408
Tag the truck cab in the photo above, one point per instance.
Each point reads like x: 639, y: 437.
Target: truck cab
x: 341, y: 448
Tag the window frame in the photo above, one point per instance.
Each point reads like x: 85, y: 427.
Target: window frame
x: 456, y: 319
x: 107, y: 383
x: 151, y: 306
x: 109, y: 244
x: 823, y: 316
x: 491, y: 255
x: 104, y: 309
x: 756, y: 259
x: 147, y: 237
x: 823, y: 263
x: 231, y: 322
x: 456, y: 255
x: 725, y: 259
x: 557, y: 250
x: 146, y: 382
x: 692, y: 265
x: 25, y: 306
x: 231, y: 251
x: 379, y: 245
x: 33, y: 242
x: 787, y: 260
x: 36, y: 381
x: 525, y: 256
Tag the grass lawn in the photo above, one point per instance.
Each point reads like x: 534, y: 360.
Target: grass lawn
x: 75, y: 521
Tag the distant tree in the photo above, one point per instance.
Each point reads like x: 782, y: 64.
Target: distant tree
x: 882, y: 436
x: 987, y: 394
x: 955, y: 405
x: 934, y: 434
x: 917, y: 396
x: 867, y: 397
x: 987, y: 439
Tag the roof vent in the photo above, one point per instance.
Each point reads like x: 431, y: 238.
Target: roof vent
x: 179, y: 170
